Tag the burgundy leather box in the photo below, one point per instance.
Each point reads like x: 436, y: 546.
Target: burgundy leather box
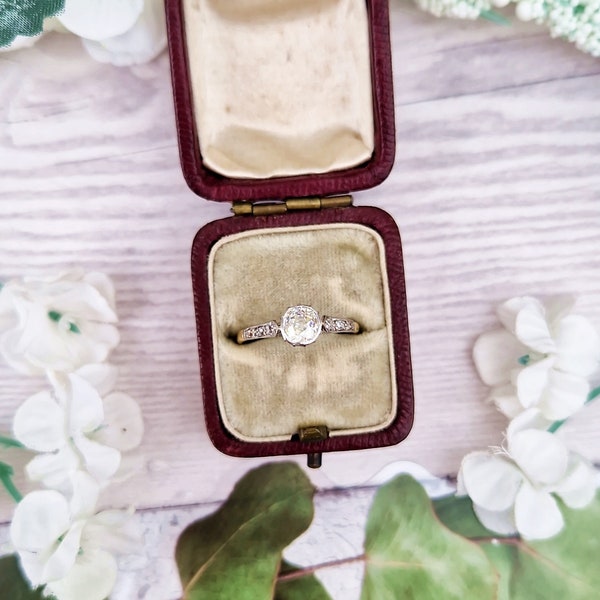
x: 283, y: 108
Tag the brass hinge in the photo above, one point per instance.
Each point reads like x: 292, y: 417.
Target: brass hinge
x: 278, y: 208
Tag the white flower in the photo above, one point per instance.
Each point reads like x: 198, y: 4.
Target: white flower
x: 513, y: 490
x: 121, y: 32
x: 73, y: 429
x: 540, y: 359
x: 143, y: 42
x: 57, y: 324
x: 62, y: 544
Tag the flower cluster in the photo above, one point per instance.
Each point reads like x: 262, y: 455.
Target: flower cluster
x: 537, y: 366
x: 577, y: 21
x: 455, y: 9
x: 121, y: 32
x: 79, y: 428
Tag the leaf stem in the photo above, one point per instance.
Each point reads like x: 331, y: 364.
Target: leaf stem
x: 304, y: 571
x: 558, y: 424
x: 6, y: 473
x: 9, y: 442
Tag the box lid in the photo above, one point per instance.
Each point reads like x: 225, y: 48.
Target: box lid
x: 208, y: 183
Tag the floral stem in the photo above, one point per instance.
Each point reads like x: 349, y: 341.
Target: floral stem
x: 558, y: 424
x: 494, y: 17
x: 9, y: 442
x: 6, y: 473
x: 304, y: 571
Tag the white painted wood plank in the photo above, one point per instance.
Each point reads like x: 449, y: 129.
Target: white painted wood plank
x: 496, y: 189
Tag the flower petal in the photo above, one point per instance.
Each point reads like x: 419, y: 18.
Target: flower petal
x: 86, y: 411
x: 32, y: 567
x: 564, y: 395
x: 102, y: 377
x: 491, y: 481
x: 96, y: 342
x: 39, y: 423
x: 578, y: 488
x: 532, y: 418
x: 61, y: 561
x: 506, y: 400
x: 39, y: 520
x: 100, y: 19
x: 557, y: 308
x: 101, y: 461
x: 92, y: 577
x: 103, y: 283
x: 525, y: 317
x: 124, y: 427
x: 578, y: 346
x: 140, y: 44
x: 495, y: 354
x: 543, y: 457
x: 537, y: 515
x: 85, y: 495
x: 54, y: 470
x: 501, y: 522
x: 532, y: 380
x: 113, y: 530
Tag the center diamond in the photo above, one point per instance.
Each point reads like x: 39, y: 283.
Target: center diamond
x: 300, y: 325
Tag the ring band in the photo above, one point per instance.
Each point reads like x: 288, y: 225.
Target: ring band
x: 299, y: 326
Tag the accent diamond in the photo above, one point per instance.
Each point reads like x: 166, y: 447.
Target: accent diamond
x: 300, y: 325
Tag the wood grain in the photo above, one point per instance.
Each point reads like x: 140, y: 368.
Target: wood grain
x: 496, y: 190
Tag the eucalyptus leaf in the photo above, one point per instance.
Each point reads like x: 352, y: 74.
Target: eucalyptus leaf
x: 236, y: 552
x: 410, y: 554
x: 306, y: 587
x: 13, y: 585
x: 25, y: 17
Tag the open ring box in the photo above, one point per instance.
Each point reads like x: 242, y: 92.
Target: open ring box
x: 283, y: 108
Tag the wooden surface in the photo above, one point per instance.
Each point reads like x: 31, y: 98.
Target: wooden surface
x: 496, y: 190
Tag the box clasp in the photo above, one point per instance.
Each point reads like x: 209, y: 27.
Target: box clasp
x: 313, y: 433
x: 290, y: 204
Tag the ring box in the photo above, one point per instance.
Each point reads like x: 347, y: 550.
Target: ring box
x: 283, y: 108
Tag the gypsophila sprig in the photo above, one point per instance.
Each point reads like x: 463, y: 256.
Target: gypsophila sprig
x: 81, y: 429
x: 455, y: 9
x: 577, y: 21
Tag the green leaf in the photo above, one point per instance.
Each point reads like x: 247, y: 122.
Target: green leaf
x: 410, y: 554
x: 6, y: 474
x: 13, y: 585
x: 559, y: 568
x: 562, y: 567
x: 306, y: 587
x: 8, y: 442
x: 456, y: 513
x: 25, y: 17
x: 236, y: 552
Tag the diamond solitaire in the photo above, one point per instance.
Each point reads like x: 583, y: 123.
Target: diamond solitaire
x: 300, y: 325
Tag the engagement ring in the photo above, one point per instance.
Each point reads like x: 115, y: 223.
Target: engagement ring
x: 300, y: 325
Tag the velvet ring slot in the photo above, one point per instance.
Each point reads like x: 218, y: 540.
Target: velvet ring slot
x: 358, y: 387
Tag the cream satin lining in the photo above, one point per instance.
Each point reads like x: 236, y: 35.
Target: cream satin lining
x: 268, y: 389
x: 280, y: 87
